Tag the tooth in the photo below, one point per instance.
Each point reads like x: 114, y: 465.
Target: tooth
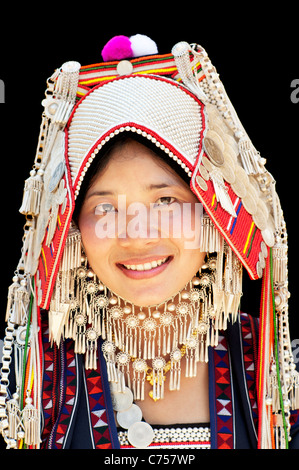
x: 146, y: 266
x: 129, y: 266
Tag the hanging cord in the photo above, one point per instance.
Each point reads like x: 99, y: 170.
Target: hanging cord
x: 26, y: 348
x: 22, y: 445
x: 262, y: 359
x: 276, y: 352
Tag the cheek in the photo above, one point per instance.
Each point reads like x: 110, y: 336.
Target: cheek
x: 186, y: 225
x: 87, y: 229
x: 96, y: 248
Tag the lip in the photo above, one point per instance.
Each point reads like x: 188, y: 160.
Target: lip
x: 144, y: 274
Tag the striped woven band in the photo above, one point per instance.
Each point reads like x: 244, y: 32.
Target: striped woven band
x: 164, y: 65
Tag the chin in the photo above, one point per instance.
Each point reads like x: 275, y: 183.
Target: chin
x: 149, y: 297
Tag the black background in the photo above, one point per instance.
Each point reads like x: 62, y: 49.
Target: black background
x: 255, y: 51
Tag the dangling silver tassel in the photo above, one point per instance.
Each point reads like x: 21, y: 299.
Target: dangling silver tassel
x: 294, y: 394
x: 11, y: 296
x: 280, y: 260
x: 211, y: 240
x: 31, y: 423
x: 123, y: 362
x: 192, y: 345
x: 232, y: 283
x: 91, y: 349
x: 14, y: 417
x: 28, y: 247
x: 139, y: 374
x: 279, y: 433
x: 175, y: 370
x: 158, y: 378
x: 63, y: 300
x: 273, y: 392
x: 57, y: 314
x: 32, y: 193
x: 249, y: 156
x: 79, y: 333
x: 71, y: 258
x: 108, y: 349
x: 21, y: 303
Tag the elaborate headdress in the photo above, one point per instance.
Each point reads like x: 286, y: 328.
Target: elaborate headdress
x: 178, y: 104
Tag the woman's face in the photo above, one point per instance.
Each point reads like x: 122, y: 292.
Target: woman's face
x: 140, y: 226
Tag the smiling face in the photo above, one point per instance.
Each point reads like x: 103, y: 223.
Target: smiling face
x: 140, y: 226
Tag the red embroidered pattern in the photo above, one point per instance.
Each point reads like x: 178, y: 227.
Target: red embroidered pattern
x: 97, y: 408
x: 223, y: 396
x: 59, y: 389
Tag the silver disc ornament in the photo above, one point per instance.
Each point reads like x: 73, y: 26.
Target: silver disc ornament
x: 123, y: 400
x: 141, y: 435
x: 130, y: 416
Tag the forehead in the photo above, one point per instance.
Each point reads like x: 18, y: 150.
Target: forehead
x: 129, y: 159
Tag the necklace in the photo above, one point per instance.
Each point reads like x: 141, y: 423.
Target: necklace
x: 144, y: 344
x: 137, y: 341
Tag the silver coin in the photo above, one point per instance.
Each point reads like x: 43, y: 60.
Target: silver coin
x: 264, y: 249
x: 268, y: 237
x: 204, y: 173
x: 201, y: 183
x: 123, y: 400
x: 228, y: 173
x: 259, y: 269
x: 213, y: 151
x: 260, y: 219
x: 207, y: 164
x: 140, y: 435
x: 262, y: 260
x: 130, y: 416
x: 241, y: 182
x: 239, y: 188
x: 249, y: 203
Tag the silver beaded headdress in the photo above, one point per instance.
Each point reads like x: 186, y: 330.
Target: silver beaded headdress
x: 177, y: 103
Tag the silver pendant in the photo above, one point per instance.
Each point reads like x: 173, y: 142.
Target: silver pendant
x: 128, y: 417
x: 123, y: 400
x: 140, y: 435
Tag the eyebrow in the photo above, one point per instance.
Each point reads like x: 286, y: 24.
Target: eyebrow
x: 150, y: 187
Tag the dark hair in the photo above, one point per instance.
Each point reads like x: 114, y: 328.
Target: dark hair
x: 103, y: 158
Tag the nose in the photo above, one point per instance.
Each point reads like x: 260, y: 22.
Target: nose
x: 137, y: 227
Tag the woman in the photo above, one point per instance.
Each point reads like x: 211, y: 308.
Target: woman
x: 145, y: 201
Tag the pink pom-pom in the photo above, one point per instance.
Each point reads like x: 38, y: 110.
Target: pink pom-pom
x: 117, y: 48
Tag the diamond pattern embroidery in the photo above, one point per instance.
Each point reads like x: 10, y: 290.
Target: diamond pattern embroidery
x: 97, y: 407
x: 224, y: 412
